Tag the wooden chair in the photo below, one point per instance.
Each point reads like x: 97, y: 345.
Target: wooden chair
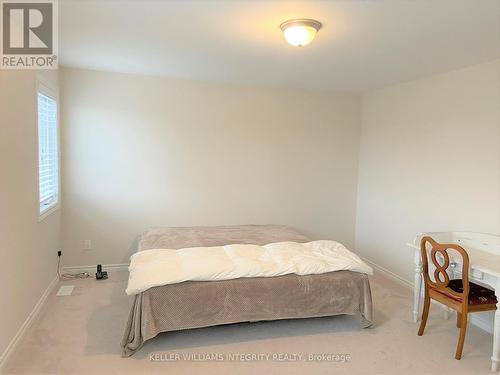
x: 459, y: 294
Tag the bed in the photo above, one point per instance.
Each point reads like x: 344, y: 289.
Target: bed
x: 196, y: 304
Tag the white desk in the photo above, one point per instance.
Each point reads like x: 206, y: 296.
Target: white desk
x: 484, y: 258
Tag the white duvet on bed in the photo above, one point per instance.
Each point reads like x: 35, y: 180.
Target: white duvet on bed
x: 157, y: 267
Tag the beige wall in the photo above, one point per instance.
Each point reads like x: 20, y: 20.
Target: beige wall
x: 144, y: 151
x: 429, y: 161
x: 141, y: 151
x: 28, y: 248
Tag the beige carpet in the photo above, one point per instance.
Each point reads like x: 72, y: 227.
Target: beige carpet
x: 81, y: 334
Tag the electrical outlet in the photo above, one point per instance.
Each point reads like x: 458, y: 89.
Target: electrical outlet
x: 87, y: 244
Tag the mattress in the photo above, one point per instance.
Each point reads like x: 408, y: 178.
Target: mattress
x: 196, y: 304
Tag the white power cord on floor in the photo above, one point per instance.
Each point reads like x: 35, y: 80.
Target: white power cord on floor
x: 69, y: 276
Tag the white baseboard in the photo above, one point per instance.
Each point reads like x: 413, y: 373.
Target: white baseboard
x: 478, y: 320
x: 91, y: 269
x: 482, y: 322
x: 36, y: 309
x: 27, y: 323
x: 391, y: 275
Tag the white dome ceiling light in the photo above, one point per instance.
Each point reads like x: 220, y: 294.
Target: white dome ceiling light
x: 300, y: 32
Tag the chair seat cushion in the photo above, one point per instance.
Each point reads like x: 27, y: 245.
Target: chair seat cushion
x: 478, y: 295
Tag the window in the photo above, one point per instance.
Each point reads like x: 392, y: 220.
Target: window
x: 48, y: 155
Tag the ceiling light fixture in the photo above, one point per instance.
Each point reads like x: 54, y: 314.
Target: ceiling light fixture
x: 300, y: 32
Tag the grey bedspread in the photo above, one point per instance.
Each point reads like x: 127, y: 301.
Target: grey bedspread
x: 195, y: 304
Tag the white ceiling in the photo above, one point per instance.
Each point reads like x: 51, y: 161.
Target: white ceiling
x: 363, y: 44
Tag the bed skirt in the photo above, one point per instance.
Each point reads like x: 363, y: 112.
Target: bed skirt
x: 196, y: 304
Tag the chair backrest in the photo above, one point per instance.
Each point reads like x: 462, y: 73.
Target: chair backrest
x: 441, y: 279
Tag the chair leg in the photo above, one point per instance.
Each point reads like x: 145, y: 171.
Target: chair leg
x: 425, y: 314
x: 461, y: 339
x: 459, y: 317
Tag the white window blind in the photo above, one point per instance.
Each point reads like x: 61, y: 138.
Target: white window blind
x: 48, y: 163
